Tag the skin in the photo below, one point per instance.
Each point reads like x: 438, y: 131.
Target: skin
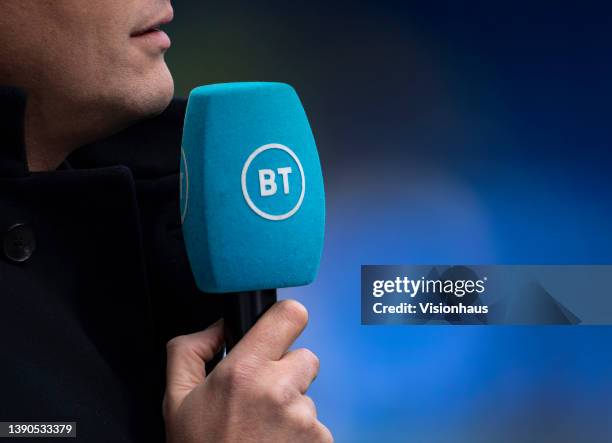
x: 257, y: 393
x: 86, y: 76
x: 88, y: 73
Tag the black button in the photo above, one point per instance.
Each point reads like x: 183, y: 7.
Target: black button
x: 19, y: 243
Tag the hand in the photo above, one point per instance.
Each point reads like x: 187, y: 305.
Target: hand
x: 256, y: 394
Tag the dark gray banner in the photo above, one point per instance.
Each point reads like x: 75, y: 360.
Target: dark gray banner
x: 36, y: 430
x: 486, y: 295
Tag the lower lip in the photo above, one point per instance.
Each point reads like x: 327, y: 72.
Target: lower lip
x: 158, y: 39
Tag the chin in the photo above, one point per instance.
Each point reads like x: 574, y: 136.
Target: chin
x: 149, y: 96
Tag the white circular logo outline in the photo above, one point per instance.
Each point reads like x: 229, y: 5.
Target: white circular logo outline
x: 186, y: 173
x: 245, y: 191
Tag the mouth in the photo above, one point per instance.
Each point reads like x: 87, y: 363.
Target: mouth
x: 151, y: 32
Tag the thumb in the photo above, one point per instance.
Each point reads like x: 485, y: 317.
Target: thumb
x: 185, y: 366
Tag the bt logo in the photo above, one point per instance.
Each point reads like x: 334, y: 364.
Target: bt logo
x: 273, y: 182
x: 267, y: 181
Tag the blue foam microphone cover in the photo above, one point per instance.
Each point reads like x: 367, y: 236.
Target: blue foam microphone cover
x: 252, y: 195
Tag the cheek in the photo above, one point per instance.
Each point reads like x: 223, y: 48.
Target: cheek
x: 103, y: 65
x: 96, y: 35
x: 95, y: 40
x: 78, y: 47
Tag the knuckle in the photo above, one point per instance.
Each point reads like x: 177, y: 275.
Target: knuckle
x: 311, y: 359
x: 326, y: 436
x: 304, y: 421
x: 321, y: 434
x: 280, y: 395
x: 310, y: 404
x: 177, y: 343
x: 294, y: 312
x: 232, y: 376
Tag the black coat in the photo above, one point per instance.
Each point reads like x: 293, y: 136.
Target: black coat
x: 94, y: 279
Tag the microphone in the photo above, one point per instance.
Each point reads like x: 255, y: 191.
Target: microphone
x: 252, y: 197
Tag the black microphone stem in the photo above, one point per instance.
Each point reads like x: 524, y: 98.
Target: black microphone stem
x: 241, y: 310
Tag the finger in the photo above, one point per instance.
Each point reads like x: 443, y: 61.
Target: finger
x: 186, y: 357
x: 309, y: 405
x: 303, y: 366
x: 304, y: 415
x: 273, y: 333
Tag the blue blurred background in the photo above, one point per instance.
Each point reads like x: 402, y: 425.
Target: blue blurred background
x: 449, y: 132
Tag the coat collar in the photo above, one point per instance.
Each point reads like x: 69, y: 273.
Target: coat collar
x: 150, y: 148
x: 13, y: 162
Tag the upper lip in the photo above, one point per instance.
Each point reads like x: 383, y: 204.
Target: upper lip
x: 155, y: 23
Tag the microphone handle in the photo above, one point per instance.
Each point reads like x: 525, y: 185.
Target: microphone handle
x: 241, y: 310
